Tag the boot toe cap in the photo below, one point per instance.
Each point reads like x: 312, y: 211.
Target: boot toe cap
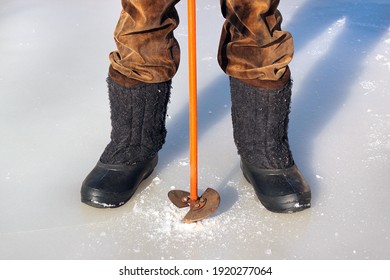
x: 279, y: 190
x: 110, y: 186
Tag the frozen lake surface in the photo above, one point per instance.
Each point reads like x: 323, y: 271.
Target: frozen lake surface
x: 55, y: 124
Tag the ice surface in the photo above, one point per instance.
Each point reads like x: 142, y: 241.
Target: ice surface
x: 55, y: 124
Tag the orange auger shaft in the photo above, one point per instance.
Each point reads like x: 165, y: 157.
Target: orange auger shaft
x: 193, y: 106
x: 200, y: 207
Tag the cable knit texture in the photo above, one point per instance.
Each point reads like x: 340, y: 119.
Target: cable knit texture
x: 138, y: 116
x: 260, y: 124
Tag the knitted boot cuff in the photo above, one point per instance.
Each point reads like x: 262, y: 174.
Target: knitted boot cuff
x: 260, y: 124
x: 138, y: 116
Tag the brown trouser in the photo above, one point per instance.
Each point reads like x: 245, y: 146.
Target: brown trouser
x: 252, y: 46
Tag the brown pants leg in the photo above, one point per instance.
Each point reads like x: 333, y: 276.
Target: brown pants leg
x: 253, y: 48
x: 146, y: 48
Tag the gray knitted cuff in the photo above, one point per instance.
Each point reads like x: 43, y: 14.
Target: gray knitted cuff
x: 260, y: 124
x: 138, y: 116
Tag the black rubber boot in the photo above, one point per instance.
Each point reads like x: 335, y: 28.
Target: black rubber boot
x: 138, y: 132
x: 260, y: 124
